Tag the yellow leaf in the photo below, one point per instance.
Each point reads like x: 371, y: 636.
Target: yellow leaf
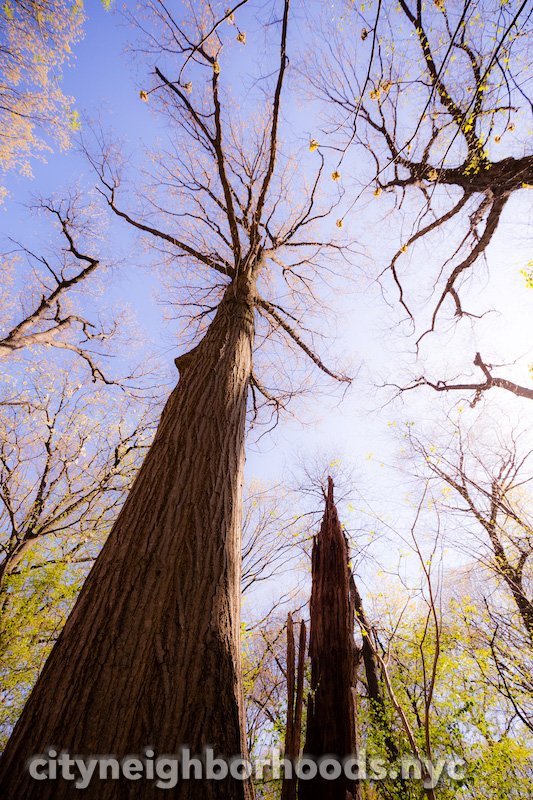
x: 339, y: 223
x: 313, y: 145
x: 241, y: 37
x: 335, y: 176
x: 143, y: 95
x: 188, y: 87
x: 216, y: 67
x: 377, y: 191
x: 74, y: 121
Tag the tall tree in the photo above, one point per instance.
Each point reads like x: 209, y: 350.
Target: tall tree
x: 151, y: 652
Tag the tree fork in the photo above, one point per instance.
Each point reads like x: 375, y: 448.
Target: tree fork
x: 150, y: 655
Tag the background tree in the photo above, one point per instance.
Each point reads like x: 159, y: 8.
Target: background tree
x: 440, y: 106
x: 468, y: 720
x: 273, y: 531
x: 295, y: 703
x: 487, y: 487
x: 43, y: 303
x: 61, y: 470
x: 37, y: 39
x: 487, y: 380
x: 427, y: 630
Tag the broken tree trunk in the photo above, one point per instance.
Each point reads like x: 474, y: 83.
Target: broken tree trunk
x: 330, y: 712
x: 295, y: 696
x: 150, y: 656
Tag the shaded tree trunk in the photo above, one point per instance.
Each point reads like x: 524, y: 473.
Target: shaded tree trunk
x: 330, y: 712
x: 295, y: 697
x: 150, y: 656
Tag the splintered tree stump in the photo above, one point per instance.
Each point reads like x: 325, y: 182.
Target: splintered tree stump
x: 330, y: 711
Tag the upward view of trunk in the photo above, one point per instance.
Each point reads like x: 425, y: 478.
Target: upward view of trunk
x: 330, y: 712
x: 150, y: 656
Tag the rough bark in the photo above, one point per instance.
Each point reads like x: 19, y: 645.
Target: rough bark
x: 330, y: 712
x: 150, y: 656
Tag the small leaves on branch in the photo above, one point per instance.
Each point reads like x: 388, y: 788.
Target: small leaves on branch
x: 382, y: 88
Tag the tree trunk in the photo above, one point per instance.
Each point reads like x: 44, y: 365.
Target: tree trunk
x: 330, y: 712
x: 150, y: 656
x: 295, y: 697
